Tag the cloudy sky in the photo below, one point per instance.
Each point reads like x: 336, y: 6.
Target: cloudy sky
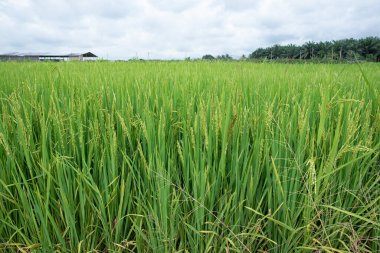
x: 175, y: 29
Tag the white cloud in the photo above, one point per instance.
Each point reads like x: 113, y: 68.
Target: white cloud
x: 177, y: 29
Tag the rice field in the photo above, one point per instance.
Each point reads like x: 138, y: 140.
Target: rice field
x: 189, y: 157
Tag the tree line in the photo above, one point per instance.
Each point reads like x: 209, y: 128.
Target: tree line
x: 367, y: 49
x: 347, y: 49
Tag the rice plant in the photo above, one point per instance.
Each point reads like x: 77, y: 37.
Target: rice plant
x: 189, y: 157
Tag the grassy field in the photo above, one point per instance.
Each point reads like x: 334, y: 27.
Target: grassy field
x: 189, y: 157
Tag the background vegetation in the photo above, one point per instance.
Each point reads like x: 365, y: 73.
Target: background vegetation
x: 189, y: 157
x: 347, y: 49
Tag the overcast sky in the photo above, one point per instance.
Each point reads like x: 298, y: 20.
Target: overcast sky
x: 175, y: 29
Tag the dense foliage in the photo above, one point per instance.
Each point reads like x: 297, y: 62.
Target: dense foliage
x: 223, y: 57
x: 347, y: 49
x: 189, y: 157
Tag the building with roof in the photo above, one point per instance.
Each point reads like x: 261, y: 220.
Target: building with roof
x: 47, y: 57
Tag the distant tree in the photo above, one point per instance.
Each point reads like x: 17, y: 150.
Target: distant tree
x: 309, y: 50
x: 224, y: 57
x: 291, y: 51
x: 208, y: 57
x: 258, y: 53
x: 323, y: 49
x: 369, y: 47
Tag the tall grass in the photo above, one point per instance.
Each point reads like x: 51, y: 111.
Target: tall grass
x: 189, y: 157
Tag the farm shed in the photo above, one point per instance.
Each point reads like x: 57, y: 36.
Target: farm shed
x: 47, y: 57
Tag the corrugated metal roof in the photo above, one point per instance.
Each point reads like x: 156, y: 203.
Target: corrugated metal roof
x: 23, y: 54
x: 17, y: 54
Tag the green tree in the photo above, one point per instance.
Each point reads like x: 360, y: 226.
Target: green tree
x: 208, y: 57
